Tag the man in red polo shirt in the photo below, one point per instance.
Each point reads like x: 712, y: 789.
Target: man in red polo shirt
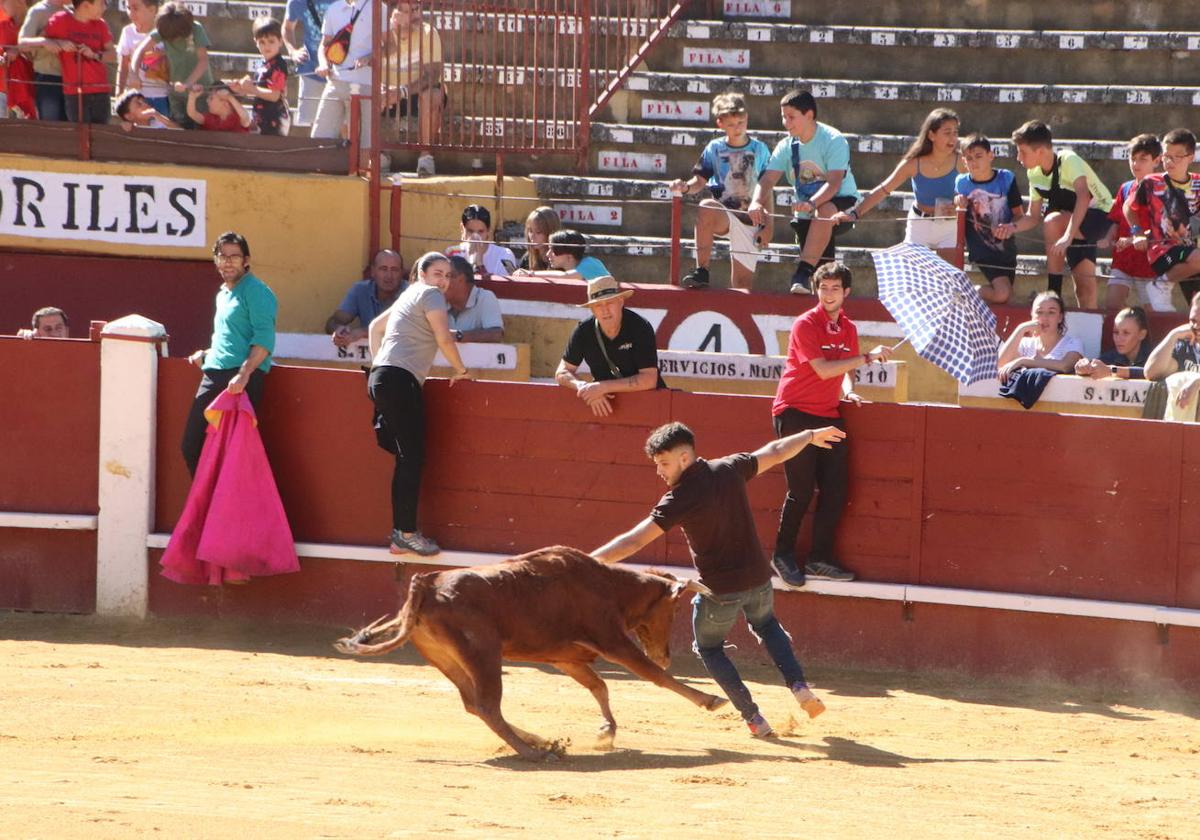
x: 822, y: 354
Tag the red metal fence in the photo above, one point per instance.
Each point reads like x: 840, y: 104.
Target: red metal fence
x: 508, y: 76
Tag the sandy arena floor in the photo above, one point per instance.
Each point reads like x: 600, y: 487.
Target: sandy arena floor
x: 190, y: 730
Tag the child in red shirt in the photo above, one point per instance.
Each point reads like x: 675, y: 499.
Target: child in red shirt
x: 86, y: 43
x: 225, y: 113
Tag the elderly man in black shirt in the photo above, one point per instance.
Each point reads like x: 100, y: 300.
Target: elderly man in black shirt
x: 708, y: 499
x: 618, y: 346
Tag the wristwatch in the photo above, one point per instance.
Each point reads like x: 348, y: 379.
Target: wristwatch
x: 1112, y: 369
x: 458, y: 335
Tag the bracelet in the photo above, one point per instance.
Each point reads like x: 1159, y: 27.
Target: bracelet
x: 853, y: 213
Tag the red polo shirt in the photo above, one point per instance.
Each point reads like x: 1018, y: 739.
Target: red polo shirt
x: 815, y: 336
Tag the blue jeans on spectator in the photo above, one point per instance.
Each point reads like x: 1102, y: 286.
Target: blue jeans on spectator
x: 48, y: 95
x: 712, y: 619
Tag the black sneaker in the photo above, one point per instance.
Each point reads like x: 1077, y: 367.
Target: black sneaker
x: 820, y: 570
x: 785, y: 566
x: 696, y: 279
x: 802, y: 280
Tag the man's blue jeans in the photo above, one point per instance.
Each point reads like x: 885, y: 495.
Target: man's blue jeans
x: 712, y: 619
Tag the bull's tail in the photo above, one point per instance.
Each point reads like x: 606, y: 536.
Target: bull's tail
x: 382, y: 636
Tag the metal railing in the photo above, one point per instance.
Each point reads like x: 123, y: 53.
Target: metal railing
x: 508, y: 76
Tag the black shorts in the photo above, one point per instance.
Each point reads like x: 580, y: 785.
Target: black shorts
x: 993, y: 271
x: 800, y: 226
x: 1176, y: 256
x: 401, y: 109
x: 1095, y: 225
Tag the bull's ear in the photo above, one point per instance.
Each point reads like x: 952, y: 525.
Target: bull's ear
x: 681, y: 586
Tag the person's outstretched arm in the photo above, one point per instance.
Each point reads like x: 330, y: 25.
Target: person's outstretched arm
x: 784, y: 449
x: 629, y: 543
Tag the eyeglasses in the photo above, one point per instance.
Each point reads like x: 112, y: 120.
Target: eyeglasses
x: 1176, y: 157
x: 229, y: 257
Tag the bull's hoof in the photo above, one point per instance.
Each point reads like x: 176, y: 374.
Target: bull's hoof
x: 715, y: 702
x: 606, y: 738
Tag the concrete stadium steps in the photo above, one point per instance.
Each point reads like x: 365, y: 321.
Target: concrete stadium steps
x: 897, y: 106
x: 645, y: 207
x: 971, y: 14
x: 1002, y: 56
x: 645, y: 259
x: 623, y: 150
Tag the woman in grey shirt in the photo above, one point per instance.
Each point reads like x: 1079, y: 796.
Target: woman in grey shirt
x: 404, y: 341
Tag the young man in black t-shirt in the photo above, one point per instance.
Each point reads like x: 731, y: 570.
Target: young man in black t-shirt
x: 1179, y: 351
x: 708, y: 499
x: 618, y: 346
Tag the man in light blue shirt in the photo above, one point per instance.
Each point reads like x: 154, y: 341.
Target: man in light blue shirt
x: 367, y: 299
x: 309, y: 16
x: 816, y: 159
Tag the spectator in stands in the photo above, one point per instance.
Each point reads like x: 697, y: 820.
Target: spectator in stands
x: 413, y: 87
x: 403, y: 342
x: 1131, y: 348
x: 47, y: 64
x: 134, y: 111
x: 48, y: 322
x: 344, y: 61
x: 1130, y: 266
x: 730, y: 167
x: 269, y: 84
x: 1043, y: 341
x: 85, y: 78
x: 474, y: 312
x: 309, y: 16
x: 618, y: 345
x: 992, y: 201
x: 708, y: 499
x: 477, y: 246
x: 16, y: 70
x: 1076, y: 205
x: 367, y: 299
x: 816, y: 158
x: 539, y: 225
x: 823, y: 353
x: 1162, y: 210
x: 239, y: 354
x: 151, y: 77
x: 184, y: 42
x: 932, y: 163
x: 569, y: 259
x: 224, y: 112
x: 1179, y: 350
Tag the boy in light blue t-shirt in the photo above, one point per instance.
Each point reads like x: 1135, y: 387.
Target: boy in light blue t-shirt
x: 816, y: 159
x: 730, y: 167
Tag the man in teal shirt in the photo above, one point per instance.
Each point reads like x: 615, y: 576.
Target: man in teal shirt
x: 243, y: 340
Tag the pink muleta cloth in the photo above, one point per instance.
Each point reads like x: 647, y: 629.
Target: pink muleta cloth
x: 233, y: 525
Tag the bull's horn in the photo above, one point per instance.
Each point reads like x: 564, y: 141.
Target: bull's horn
x: 697, y: 586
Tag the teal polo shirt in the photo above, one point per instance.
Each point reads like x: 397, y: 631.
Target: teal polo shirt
x: 245, y: 315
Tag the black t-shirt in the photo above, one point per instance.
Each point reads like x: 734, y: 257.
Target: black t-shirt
x: 710, y: 503
x: 1186, y: 355
x: 632, y: 350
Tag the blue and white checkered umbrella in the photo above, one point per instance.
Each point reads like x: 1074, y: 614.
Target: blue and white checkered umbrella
x: 941, y: 313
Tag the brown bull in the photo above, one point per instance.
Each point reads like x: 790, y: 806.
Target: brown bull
x: 554, y: 605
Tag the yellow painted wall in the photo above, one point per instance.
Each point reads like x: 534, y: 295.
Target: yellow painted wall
x: 308, y: 234
x: 430, y: 209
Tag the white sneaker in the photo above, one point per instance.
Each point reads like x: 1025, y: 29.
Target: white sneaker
x: 425, y: 167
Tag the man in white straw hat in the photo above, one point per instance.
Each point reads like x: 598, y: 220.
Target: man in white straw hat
x: 618, y: 346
